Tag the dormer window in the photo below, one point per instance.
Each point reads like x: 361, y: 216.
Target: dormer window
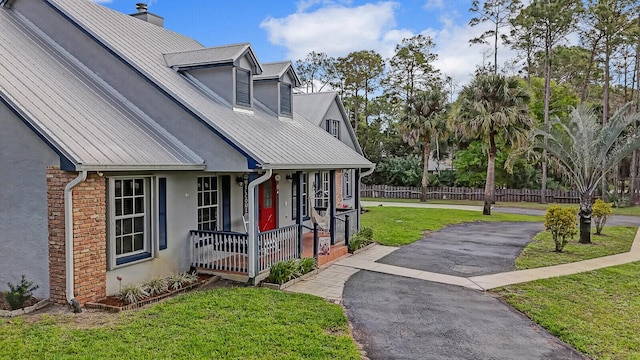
x: 243, y: 87
x: 285, y: 99
x: 333, y: 128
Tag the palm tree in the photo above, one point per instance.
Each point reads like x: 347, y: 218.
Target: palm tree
x: 586, y: 150
x: 493, y: 106
x: 423, y: 119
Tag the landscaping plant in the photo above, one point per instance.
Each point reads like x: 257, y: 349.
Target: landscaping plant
x: 19, y: 294
x: 179, y: 280
x: 284, y: 271
x: 132, y: 293
x: 601, y: 212
x: 156, y: 285
x: 361, y: 239
x: 561, y: 223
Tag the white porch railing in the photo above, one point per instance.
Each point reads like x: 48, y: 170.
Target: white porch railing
x: 219, y: 250
x: 278, y: 245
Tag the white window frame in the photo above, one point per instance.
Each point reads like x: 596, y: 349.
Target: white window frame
x: 347, y: 184
x: 333, y: 128
x: 201, y: 203
x: 321, y: 191
x: 150, y: 222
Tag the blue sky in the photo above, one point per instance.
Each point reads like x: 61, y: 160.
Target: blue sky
x: 280, y: 30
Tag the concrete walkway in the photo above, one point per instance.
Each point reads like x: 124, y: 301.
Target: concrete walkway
x: 329, y: 283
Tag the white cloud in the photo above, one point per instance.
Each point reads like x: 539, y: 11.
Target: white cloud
x: 336, y: 30
x: 434, y: 4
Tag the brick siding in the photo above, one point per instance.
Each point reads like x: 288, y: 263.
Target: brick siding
x: 90, y: 234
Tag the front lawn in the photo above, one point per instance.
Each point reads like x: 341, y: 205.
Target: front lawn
x: 237, y: 323
x: 596, y: 312
x: 539, y: 252
x: 396, y: 226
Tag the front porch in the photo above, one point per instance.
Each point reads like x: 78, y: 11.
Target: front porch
x: 227, y: 253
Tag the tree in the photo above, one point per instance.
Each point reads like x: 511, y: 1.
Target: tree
x: 411, y: 67
x: 359, y: 74
x: 424, y: 118
x: 497, y: 12
x: 581, y: 145
x: 492, y: 106
x: 549, y: 21
x: 316, y: 71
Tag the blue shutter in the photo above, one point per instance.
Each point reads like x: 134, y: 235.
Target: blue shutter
x: 162, y: 213
x: 226, y: 202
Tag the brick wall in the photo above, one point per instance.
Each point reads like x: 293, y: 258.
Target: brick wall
x: 89, y: 223
x: 338, y: 188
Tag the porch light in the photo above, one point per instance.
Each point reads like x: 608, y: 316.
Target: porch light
x: 240, y: 180
x: 289, y: 177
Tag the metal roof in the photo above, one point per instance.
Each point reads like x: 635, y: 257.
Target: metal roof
x: 276, y: 70
x: 81, y: 117
x: 314, y: 107
x: 271, y: 142
x: 228, y: 54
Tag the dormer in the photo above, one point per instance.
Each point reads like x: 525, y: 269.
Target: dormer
x: 228, y: 71
x: 274, y: 87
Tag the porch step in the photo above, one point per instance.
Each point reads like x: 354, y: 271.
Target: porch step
x: 337, y: 251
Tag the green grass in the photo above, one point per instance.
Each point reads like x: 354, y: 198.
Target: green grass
x: 540, y: 252
x: 395, y: 226
x: 633, y: 211
x: 238, y: 323
x: 596, y: 312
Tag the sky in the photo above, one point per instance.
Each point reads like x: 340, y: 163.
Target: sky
x: 288, y: 30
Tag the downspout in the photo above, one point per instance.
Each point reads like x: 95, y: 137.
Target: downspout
x: 362, y: 174
x: 68, y: 238
x: 253, y: 229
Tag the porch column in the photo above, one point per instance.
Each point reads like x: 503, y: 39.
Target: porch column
x: 299, y: 205
x: 332, y: 206
x: 356, y: 194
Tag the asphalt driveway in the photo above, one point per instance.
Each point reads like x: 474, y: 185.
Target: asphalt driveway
x: 469, y: 249
x: 401, y: 318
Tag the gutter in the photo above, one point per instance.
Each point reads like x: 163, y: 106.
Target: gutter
x: 68, y: 239
x: 253, y: 228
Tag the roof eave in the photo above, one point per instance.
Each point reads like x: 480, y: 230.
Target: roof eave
x: 317, y: 166
x: 140, y: 167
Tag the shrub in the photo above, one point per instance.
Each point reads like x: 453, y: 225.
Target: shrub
x: 306, y: 265
x: 179, y: 280
x: 361, y: 239
x: 561, y: 222
x: 283, y: 271
x: 600, y: 214
x: 132, y: 293
x: 19, y: 294
x: 156, y: 286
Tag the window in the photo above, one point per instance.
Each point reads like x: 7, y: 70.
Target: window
x: 294, y: 197
x: 208, y: 203
x: 321, y: 190
x: 131, y: 224
x: 243, y: 87
x: 305, y: 196
x: 333, y: 128
x: 347, y: 190
x: 285, y: 99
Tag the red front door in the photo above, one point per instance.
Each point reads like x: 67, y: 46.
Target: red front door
x: 267, y: 205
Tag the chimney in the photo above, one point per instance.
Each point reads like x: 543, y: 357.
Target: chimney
x: 145, y: 15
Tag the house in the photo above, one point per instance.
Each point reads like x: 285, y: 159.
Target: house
x: 130, y: 151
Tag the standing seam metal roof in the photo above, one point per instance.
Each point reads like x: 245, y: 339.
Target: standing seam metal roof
x: 82, y: 120
x: 266, y: 139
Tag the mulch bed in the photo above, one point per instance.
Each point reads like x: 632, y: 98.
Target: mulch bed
x: 114, y: 304
x: 5, y: 306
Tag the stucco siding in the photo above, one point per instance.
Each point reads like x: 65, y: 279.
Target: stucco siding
x: 267, y: 93
x: 23, y: 204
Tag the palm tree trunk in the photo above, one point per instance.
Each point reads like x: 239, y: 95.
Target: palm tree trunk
x: 425, y: 169
x: 586, y: 208
x: 490, y: 184
x: 633, y: 173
